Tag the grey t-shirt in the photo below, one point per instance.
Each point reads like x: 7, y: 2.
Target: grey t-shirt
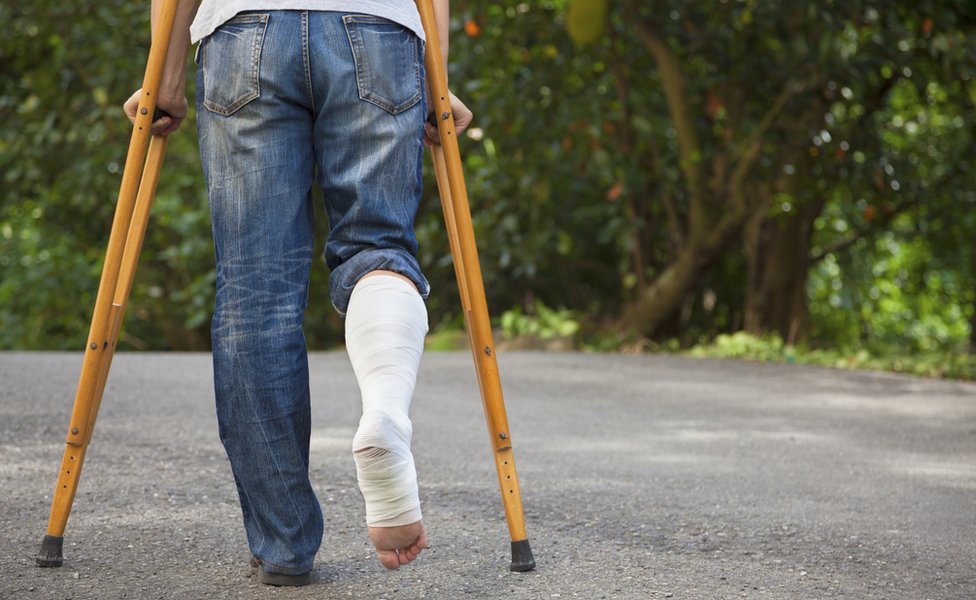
x: 213, y: 13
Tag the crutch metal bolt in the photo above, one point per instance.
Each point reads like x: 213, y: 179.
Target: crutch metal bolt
x: 457, y: 219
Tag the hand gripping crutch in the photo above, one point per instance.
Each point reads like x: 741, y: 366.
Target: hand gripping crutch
x: 460, y: 233
x: 139, y: 181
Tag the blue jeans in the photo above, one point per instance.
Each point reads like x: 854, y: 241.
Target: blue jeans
x: 285, y: 98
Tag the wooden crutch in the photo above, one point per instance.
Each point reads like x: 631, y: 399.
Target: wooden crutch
x: 139, y: 181
x: 467, y: 268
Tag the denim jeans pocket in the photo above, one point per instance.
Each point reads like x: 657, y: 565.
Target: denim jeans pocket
x: 232, y: 63
x: 388, y: 60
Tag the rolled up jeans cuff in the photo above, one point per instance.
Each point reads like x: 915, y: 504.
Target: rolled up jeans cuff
x: 344, y: 277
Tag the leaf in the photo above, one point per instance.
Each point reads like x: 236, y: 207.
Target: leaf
x: 585, y: 20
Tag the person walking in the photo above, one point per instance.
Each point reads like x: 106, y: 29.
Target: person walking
x: 291, y: 93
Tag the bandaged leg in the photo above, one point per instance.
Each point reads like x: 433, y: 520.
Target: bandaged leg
x: 385, y: 326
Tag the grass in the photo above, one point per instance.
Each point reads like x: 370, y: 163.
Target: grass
x: 946, y: 364
x: 546, y: 326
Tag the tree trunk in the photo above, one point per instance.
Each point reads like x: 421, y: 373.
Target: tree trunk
x: 777, y: 251
x: 717, y: 209
x: 972, y: 317
x: 664, y: 296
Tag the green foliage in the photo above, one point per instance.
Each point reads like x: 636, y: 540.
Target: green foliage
x: 543, y: 323
x: 572, y: 167
x: 897, y: 266
x: 446, y: 340
x: 771, y: 348
x: 545, y: 174
x: 747, y: 346
x: 63, y: 139
x: 585, y: 20
x: 897, y: 300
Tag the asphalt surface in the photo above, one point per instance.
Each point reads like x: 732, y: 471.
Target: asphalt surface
x: 642, y: 477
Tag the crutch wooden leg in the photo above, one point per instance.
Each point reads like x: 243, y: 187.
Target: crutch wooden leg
x: 457, y: 217
x: 125, y: 242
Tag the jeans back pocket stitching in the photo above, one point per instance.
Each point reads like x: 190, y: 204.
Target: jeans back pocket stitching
x: 261, y: 20
x: 362, y: 73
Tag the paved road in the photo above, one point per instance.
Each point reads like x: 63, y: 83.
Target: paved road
x: 643, y: 477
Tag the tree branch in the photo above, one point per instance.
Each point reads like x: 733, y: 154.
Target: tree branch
x: 746, y: 148
x: 861, y: 232
x: 623, y: 92
x: 887, y: 216
x: 672, y: 80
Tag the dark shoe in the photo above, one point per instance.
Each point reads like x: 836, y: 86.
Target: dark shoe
x: 279, y: 578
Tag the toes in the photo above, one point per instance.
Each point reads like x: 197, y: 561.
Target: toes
x: 406, y: 556
x: 389, y: 559
x: 409, y: 554
x: 398, y: 546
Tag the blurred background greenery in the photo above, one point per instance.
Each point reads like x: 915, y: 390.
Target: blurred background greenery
x: 773, y: 180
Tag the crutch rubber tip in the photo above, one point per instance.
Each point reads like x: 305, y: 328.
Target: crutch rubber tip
x: 522, y: 559
x: 51, y: 554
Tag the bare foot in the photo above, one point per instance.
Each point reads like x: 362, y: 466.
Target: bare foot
x: 397, y: 546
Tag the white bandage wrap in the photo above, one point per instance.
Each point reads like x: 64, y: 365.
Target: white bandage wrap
x: 386, y: 322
